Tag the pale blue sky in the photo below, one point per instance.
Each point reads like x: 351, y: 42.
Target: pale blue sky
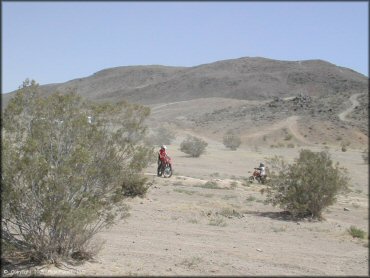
x: 54, y: 42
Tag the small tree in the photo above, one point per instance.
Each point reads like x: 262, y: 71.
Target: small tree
x: 65, y: 177
x: 231, y: 140
x: 193, y: 146
x: 307, y: 186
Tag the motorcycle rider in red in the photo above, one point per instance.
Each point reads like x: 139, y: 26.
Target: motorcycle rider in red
x: 262, y: 170
x: 162, y: 157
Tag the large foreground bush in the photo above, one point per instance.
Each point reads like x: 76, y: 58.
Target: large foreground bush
x: 307, y: 186
x: 64, y: 177
x: 193, y: 146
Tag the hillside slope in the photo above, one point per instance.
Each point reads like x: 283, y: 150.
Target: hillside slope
x: 257, y: 97
x: 243, y: 78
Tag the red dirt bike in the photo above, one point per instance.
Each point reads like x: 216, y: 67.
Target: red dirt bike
x: 257, y: 176
x: 165, y: 167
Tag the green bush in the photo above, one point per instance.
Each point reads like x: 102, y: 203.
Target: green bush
x: 307, y: 186
x: 231, y: 140
x: 356, y: 232
x: 65, y: 178
x: 193, y: 146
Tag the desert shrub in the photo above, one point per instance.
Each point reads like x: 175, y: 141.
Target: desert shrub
x: 288, y: 137
x: 193, y: 146
x: 188, y: 192
x: 231, y: 140
x: 280, y: 145
x: 217, y: 221
x: 210, y: 185
x: 344, y: 146
x: 251, y: 199
x: 229, y: 212
x: 191, y: 262
x: 65, y: 178
x: 228, y: 197
x: 245, y: 182
x: 356, y: 232
x: 307, y: 186
x: 134, y: 184
x: 233, y: 185
x: 160, y: 136
x: 193, y: 221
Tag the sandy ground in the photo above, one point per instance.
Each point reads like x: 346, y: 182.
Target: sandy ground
x: 182, y: 228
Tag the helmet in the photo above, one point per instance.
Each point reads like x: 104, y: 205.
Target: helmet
x: 163, y: 147
x: 262, y: 165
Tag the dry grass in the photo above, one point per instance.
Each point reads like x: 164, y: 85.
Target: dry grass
x: 191, y: 262
x: 217, y: 221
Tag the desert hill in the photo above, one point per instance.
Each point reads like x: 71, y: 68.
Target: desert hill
x: 243, y: 78
x: 303, y: 98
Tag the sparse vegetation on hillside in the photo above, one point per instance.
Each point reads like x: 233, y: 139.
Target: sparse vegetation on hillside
x: 193, y: 146
x: 307, y: 186
x: 281, y: 77
x: 65, y: 177
x: 231, y: 140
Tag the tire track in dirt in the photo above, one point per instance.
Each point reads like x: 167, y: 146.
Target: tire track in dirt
x: 168, y: 104
x: 290, y: 123
x: 342, y: 116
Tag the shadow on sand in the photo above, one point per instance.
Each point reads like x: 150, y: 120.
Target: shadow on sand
x: 279, y: 215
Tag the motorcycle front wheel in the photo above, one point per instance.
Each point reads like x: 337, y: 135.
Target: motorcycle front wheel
x: 167, y: 171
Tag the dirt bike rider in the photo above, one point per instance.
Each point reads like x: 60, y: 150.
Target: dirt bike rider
x: 162, y: 157
x: 262, y: 170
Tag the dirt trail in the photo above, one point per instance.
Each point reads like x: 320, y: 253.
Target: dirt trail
x: 168, y: 104
x: 353, y: 99
x: 290, y: 123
